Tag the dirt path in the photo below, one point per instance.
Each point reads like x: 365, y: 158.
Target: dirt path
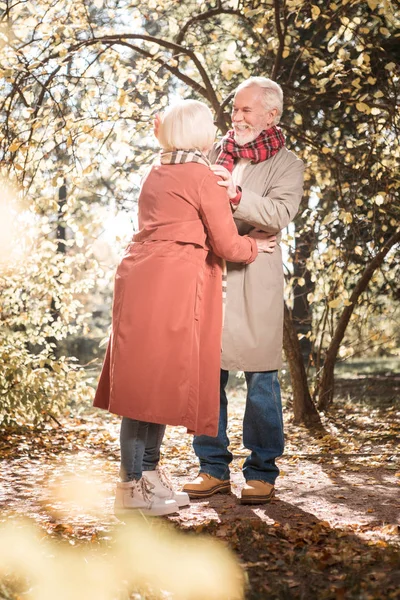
x: 356, y: 489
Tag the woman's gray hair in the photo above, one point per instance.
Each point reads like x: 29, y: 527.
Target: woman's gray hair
x: 272, y: 91
x: 186, y: 125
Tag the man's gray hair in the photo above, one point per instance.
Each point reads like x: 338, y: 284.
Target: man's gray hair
x: 273, y: 95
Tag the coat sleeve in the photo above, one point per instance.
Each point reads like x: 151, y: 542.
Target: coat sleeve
x: 216, y: 214
x: 274, y: 211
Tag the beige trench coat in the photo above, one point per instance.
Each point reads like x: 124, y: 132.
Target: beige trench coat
x: 253, y: 326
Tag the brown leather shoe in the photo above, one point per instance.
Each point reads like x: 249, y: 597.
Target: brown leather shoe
x: 205, y: 485
x: 257, y: 492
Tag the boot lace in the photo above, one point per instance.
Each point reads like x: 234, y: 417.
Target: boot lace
x: 165, y: 479
x: 147, y: 488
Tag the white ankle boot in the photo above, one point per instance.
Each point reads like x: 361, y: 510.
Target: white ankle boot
x: 138, y: 495
x: 163, y: 487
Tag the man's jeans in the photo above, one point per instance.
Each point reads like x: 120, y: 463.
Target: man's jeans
x: 262, y: 431
x: 140, y: 447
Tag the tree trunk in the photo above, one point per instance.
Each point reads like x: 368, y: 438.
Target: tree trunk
x: 61, y: 247
x: 303, y: 406
x: 326, y: 385
x: 301, y: 312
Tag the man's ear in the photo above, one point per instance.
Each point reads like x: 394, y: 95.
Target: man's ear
x: 272, y: 115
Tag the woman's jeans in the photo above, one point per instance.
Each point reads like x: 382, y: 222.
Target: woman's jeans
x: 140, y: 447
x: 262, y: 431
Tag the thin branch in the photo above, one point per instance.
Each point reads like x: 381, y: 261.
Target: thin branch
x: 213, y: 12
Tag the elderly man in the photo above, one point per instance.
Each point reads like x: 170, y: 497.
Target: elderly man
x: 264, y: 181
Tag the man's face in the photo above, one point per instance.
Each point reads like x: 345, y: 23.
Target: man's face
x: 249, y: 117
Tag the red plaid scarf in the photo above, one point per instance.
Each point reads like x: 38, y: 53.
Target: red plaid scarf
x: 268, y: 143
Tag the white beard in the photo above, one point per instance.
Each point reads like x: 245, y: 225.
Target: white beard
x: 247, y: 135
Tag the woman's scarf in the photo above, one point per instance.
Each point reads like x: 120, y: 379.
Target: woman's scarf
x: 176, y: 157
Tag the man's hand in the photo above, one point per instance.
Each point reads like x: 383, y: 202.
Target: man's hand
x: 226, y: 180
x: 266, y: 242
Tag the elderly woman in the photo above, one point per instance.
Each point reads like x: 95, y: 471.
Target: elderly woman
x: 163, y: 359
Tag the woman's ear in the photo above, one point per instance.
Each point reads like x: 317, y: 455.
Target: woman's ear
x: 156, y: 124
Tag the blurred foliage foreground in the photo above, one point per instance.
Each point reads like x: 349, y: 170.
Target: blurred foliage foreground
x: 151, y: 558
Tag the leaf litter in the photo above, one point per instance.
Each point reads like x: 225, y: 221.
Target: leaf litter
x: 332, y: 532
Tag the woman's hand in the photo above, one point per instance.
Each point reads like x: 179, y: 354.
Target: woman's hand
x: 226, y: 180
x: 266, y: 242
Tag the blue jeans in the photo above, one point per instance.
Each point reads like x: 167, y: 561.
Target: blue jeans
x: 140, y: 447
x: 262, y: 431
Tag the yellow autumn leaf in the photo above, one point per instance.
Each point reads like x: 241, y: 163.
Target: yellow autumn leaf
x: 122, y: 98
x: 346, y: 217
x: 362, y: 107
x: 335, y: 303
x: 298, y: 119
x: 315, y: 11
x: 14, y: 146
x: 329, y: 219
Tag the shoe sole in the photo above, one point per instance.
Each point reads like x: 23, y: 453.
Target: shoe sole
x: 132, y: 512
x: 221, y: 488
x: 257, y: 499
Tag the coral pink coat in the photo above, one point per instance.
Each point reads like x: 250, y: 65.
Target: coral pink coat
x: 163, y: 358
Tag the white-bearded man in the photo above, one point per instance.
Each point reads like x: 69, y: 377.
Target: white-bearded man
x: 264, y: 182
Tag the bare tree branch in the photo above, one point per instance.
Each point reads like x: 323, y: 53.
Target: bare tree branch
x: 281, y: 37
x: 209, y: 14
